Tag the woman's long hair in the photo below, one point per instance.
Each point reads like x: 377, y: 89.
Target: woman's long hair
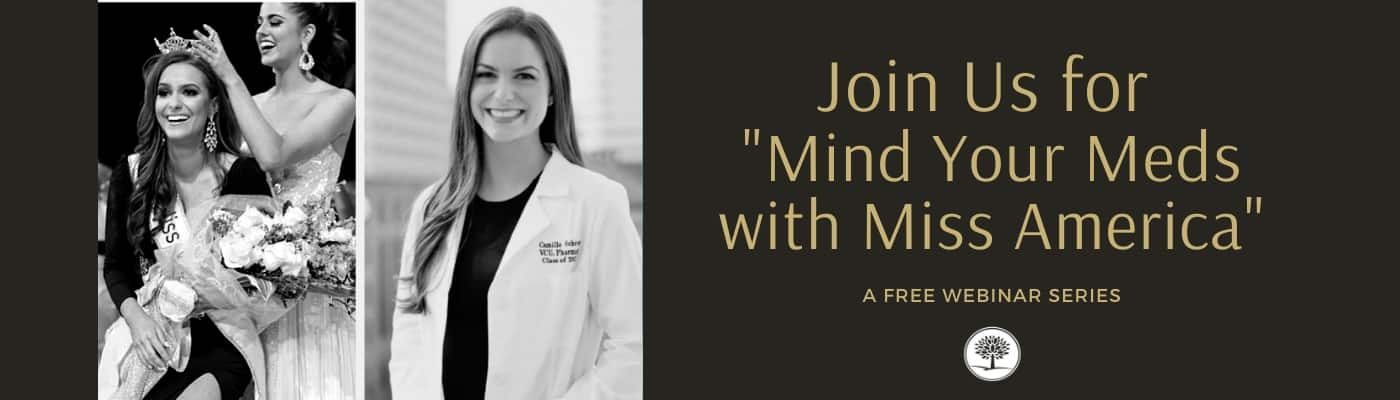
x: 328, y: 47
x: 154, y: 188
x: 459, y: 187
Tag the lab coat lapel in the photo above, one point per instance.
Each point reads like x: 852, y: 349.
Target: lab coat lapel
x: 536, y: 216
x: 533, y: 221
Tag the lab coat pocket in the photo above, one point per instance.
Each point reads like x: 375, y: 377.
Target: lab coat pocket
x: 559, y: 255
x: 551, y: 283
x: 554, y: 275
x: 544, y: 290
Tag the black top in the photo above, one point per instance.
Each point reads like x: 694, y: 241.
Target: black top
x: 122, y: 267
x: 489, y: 227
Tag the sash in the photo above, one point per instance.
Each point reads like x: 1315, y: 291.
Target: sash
x: 119, y: 375
x: 167, y: 234
x: 175, y: 227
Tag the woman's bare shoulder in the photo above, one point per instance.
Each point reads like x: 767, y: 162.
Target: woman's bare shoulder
x: 260, y: 98
x: 327, y: 92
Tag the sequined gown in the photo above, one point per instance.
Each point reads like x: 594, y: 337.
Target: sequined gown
x: 311, y: 350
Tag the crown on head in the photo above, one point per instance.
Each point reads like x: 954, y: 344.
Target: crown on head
x: 174, y: 43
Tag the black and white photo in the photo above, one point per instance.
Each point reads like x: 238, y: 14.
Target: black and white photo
x: 518, y: 267
x: 229, y: 245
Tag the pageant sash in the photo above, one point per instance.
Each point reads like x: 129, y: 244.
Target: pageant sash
x: 175, y: 227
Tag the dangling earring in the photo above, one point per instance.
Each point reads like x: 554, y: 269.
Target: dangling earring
x: 211, y: 133
x: 306, y: 62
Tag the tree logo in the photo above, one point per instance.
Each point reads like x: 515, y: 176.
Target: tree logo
x: 992, y: 354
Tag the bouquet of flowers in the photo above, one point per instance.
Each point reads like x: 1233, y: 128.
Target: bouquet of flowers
x: 299, y: 249
x: 180, y: 283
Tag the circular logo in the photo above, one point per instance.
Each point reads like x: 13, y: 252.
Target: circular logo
x: 992, y: 354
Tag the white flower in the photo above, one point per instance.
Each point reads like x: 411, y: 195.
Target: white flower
x: 237, y: 250
x: 176, y: 300
x: 338, y: 235
x: 222, y: 215
x: 284, y: 256
x: 250, y: 220
x: 292, y: 217
x: 261, y: 255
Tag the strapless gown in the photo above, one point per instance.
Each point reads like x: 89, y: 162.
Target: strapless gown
x: 311, y: 350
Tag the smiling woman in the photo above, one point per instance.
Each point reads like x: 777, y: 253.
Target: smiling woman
x: 157, y: 201
x: 519, y: 262
x: 299, y: 130
x: 179, y: 94
x: 510, y: 91
x: 200, y: 102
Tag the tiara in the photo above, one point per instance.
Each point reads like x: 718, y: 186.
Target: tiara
x: 175, y: 43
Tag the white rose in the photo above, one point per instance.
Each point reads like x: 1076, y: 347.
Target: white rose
x: 250, y: 220
x: 284, y: 256
x: 254, y: 237
x: 338, y: 235
x: 267, y: 263
x: 237, y: 250
x: 292, y: 217
x: 295, y: 266
x: 176, y: 300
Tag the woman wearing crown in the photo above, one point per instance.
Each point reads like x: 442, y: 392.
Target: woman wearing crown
x: 298, y: 131
x: 178, y: 336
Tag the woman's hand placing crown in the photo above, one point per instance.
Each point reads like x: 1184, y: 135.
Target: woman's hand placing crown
x: 210, y: 48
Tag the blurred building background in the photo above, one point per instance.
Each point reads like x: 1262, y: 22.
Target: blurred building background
x: 413, y: 49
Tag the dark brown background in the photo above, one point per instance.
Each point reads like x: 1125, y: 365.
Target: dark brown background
x: 1294, y: 88
x: 1306, y: 91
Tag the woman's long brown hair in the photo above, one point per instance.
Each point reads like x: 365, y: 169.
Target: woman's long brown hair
x: 154, y: 188
x: 451, y: 197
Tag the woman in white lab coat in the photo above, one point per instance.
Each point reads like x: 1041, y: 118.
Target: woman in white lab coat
x: 521, y: 271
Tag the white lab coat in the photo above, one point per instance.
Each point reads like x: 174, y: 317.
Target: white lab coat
x: 558, y: 327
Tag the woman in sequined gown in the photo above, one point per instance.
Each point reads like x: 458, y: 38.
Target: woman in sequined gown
x: 298, y: 131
